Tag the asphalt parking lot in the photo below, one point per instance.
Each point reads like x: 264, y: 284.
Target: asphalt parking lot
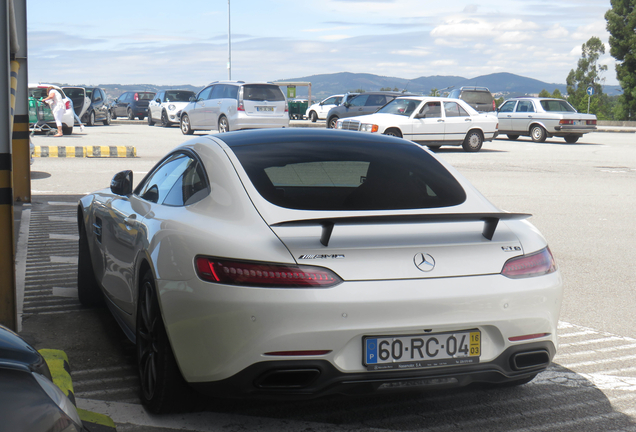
x: 582, y: 197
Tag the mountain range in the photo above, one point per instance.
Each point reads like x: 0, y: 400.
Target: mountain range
x: 323, y: 85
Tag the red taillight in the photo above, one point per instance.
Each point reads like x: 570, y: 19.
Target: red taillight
x: 298, y: 353
x: 136, y: 97
x: 68, y: 105
x: 536, y: 264
x: 264, y: 275
x: 527, y: 337
x: 591, y: 122
x: 566, y: 122
x: 286, y: 108
x: 240, y: 106
x: 494, y: 105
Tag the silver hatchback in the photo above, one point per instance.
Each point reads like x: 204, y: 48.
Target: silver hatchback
x: 234, y: 105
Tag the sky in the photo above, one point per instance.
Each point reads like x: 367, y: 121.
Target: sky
x: 186, y: 41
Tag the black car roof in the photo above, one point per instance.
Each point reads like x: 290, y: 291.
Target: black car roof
x: 289, y: 135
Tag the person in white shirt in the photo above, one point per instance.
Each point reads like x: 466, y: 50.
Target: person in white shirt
x: 54, y: 99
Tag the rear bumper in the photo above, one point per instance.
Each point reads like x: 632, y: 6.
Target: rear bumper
x: 572, y: 130
x: 314, y: 378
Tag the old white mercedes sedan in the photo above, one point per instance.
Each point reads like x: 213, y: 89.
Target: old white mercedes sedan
x: 305, y: 262
x: 541, y: 118
x: 431, y: 121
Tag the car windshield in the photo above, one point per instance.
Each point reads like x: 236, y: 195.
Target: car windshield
x: 403, y: 107
x: 262, y: 92
x: 348, y: 173
x: 553, y: 105
x: 178, y: 96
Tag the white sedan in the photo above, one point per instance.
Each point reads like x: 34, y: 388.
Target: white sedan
x: 430, y: 121
x: 306, y: 262
x: 541, y: 118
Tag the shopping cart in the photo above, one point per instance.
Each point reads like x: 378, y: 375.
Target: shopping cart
x: 40, y: 117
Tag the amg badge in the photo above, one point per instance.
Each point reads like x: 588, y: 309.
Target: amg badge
x: 321, y: 256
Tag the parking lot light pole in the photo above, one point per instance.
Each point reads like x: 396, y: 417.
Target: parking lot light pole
x: 229, y: 44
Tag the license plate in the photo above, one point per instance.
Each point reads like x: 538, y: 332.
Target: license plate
x: 268, y: 109
x: 422, y: 351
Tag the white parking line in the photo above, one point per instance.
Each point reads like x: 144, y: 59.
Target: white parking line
x: 63, y: 260
x: 73, y: 237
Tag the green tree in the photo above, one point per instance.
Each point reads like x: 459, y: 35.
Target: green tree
x: 557, y: 94
x: 621, y: 24
x: 588, y: 74
x: 434, y: 92
x: 544, y: 93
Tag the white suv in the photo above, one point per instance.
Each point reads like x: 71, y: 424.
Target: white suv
x: 234, y: 105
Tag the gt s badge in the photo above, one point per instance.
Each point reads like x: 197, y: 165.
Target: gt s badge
x: 321, y: 256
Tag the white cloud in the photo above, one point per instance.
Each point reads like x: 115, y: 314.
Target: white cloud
x: 334, y: 37
x: 556, y: 32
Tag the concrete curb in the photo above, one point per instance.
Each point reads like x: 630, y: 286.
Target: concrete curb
x: 58, y: 364
x: 89, y: 151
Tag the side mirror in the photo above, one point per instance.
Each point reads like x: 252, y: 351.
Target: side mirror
x: 347, y: 104
x: 158, y: 100
x: 121, y: 184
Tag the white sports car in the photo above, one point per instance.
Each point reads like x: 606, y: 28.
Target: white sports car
x: 431, y: 121
x: 304, y: 262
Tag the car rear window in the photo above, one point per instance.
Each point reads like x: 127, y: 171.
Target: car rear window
x: 557, y: 106
x: 146, y: 96
x: 349, y: 174
x: 262, y: 92
x: 476, y: 97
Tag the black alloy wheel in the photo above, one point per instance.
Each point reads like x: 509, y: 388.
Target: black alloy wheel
x: 164, y: 119
x: 91, y: 119
x: 131, y: 116
x: 331, y: 124
x: 163, y: 389
x: 88, y: 290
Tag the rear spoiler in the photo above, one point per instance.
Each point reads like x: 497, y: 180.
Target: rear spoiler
x: 491, y: 220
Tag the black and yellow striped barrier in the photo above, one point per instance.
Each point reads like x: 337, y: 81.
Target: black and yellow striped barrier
x: 57, y: 362
x: 85, y: 151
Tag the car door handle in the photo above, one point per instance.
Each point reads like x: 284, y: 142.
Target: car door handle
x: 468, y: 119
x: 529, y: 116
x: 440, y: 121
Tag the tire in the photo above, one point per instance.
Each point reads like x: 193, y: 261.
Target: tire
x: 331, y: 124
x: 91, y: 119
x: 67, y: 130
x: 88, y: 290
x: 433, y: 148
x: 162, y: 388
x: 571, y: 139
x: 107, y: 121
x: 130, y: 114
x: 393, y: 132
x: 512, y: 137
x: 538, y: 134
x: 184, y: 124
x: 473, y: 141
x: 141, y: 117
x: 313, y: 116
x: 150, y: 121
x: 113, y: 116
x: 224, y: 125
x: 164, y: 119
